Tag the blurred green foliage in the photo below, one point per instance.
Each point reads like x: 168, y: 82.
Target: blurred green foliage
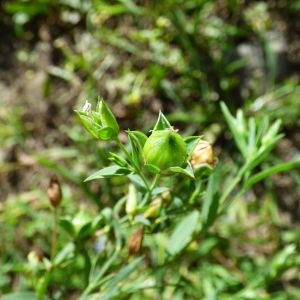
x: 182, y: 57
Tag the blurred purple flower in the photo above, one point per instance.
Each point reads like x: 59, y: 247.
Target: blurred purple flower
x: 99, y: 245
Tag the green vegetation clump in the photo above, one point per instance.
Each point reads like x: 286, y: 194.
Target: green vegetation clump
x: 110, y: 201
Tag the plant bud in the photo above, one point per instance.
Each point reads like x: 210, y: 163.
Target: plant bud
x: 135, y: 241
x: 100, y: 123
x: 131, y: 203
x: 107, y: 117
x: 154, y: 208
x: 165, y: 149
x: 54, y: 191
x: 166, y: 197
x: 203, y: 154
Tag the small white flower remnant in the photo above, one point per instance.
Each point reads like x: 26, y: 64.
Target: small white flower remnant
x: 87, y: 107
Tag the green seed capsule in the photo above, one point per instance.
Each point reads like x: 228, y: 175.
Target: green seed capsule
x: 165, y: 149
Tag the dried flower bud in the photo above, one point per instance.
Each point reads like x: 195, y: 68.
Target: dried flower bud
x: 203, y: 154
x: 35, y: 256
x: 54, y: 191
x: 135, y: 241
x: 165, y: 149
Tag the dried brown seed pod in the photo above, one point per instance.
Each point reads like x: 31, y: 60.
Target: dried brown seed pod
x: 135, y: 241
x: 54, y: 191
x: 203, y: 154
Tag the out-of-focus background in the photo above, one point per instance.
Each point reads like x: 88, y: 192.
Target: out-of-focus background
x: 179, y: 56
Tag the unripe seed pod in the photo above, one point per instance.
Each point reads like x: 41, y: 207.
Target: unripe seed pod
x: 165, y: 149
x: 54, y: 191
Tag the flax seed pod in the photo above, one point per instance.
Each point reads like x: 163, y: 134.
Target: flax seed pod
x: 203, y: 154
x: 165, y: 149
x: 54, y: 191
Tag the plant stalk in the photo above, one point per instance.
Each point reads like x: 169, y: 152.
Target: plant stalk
x: 54, y: 233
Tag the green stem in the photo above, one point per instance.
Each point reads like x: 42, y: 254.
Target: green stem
x: 119, y: 206
x: 138, y: 172
x: 43, y: 284
x: 230, y: 188
x: 87, y: 264
x: 148, y: 195
x: 225, y: 201
x: 154, y: 182
x: 124, y: 149
x: 54, y: 233
x: 195, y: 193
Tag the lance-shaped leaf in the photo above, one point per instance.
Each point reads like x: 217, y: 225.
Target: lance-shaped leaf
x: 183, y: 233
x: 211, y: 200
x: 109, y: 172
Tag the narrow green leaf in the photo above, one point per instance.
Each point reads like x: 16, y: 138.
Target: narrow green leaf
x: 141, y: 219
x: 67, y: 225
x: 211, y: 201
x: 262, y: 129
x: 65, y: 254
x: 20, y: 296
x: 61, y: 73
x: 188, y: 171
x: 236, y: 127
x: 271, y: 171
x: 136, y: 150
x: 138, y: 182
x: 271, y: 133
x: 109, y: 9
x: 262, y: 153
x: 153, y: 169
x: 85, y: 231
x: 159, y: 190
x: 251, y: 148
x: 109, y: 172
x: 118, y: 160
x: 57, y: 167
x: 183, y: 233
x: 98, y: 222
x: 124, y: 273
x: 140, y: 137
